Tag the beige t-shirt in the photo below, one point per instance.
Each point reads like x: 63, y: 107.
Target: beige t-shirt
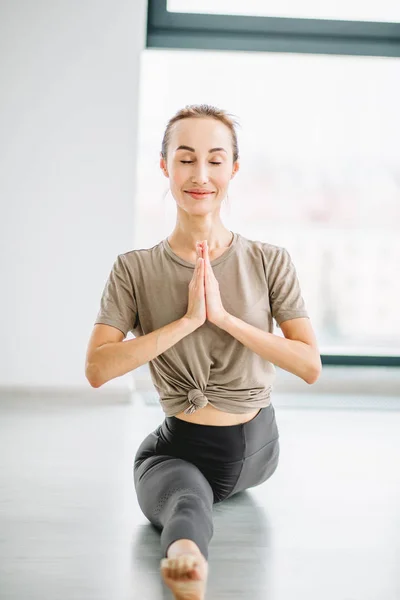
x: 148, y: 288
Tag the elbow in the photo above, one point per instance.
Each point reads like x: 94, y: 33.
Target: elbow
x: 94, y: 384
x: 92, y: 375
x: 314, y: 374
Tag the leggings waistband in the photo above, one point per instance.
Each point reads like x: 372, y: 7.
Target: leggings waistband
x: 219, y: 442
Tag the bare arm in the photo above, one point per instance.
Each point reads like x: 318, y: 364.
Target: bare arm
x: 114, y: 359
x: 299, y: 355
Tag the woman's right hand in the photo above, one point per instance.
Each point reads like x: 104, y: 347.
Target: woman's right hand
x: 197, y: 301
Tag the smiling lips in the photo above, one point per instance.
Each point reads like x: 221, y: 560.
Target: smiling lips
x: 199, y: 193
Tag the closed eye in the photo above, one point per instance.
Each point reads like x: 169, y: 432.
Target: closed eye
x: 186, y: 162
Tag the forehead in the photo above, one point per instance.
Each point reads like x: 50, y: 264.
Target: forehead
x: 200, y: 133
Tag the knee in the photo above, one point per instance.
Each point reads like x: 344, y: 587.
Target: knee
x: 189, y: 504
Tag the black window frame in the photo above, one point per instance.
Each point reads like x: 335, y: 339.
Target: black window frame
x: 269, y: 34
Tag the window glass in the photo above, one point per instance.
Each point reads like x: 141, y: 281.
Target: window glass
x: 319, y: 174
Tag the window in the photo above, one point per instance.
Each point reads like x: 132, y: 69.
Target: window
x: 318, y: 143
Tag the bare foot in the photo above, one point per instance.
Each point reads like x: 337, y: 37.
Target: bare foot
x: 186, y: 576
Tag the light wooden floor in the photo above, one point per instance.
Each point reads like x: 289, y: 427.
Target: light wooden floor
x: 326, y: 525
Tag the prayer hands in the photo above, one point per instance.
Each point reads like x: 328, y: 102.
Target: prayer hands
x: 215, y: 311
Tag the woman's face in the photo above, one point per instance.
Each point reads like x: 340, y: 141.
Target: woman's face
x: 199, y: 168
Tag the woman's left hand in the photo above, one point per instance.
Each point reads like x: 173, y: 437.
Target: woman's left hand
x: 214, y: 309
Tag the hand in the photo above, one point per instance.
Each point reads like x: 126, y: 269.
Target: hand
x: 214, y: 309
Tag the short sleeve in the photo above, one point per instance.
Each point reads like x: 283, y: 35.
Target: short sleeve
x: 284, y: 289
x: 118, y: 305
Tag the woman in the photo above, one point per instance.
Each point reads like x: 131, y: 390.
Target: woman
x: 200, y: 304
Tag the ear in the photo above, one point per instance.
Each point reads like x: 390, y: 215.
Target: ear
x: 163, y: 166
x: 236, y: 167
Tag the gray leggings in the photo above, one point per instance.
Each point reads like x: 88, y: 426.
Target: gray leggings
x: 181, y: 469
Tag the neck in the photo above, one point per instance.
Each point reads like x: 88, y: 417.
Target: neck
x: 217, y: 237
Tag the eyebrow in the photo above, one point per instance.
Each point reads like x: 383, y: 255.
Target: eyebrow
x: 193, y: 150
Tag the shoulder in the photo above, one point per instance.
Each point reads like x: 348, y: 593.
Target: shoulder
x: 276, y: 260
x: 139, y: 255
x: 268, y: 251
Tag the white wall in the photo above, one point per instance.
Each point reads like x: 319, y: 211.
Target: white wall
x: 69, y: 77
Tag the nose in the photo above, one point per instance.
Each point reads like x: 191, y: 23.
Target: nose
x: 200, y: 173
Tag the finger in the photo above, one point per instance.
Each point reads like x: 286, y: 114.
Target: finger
x: 206, y: 251
x: 206, y: 256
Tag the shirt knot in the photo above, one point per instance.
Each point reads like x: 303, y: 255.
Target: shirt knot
x: 197, y: 400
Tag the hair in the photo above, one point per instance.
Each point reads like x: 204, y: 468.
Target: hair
x: 201, y: 111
